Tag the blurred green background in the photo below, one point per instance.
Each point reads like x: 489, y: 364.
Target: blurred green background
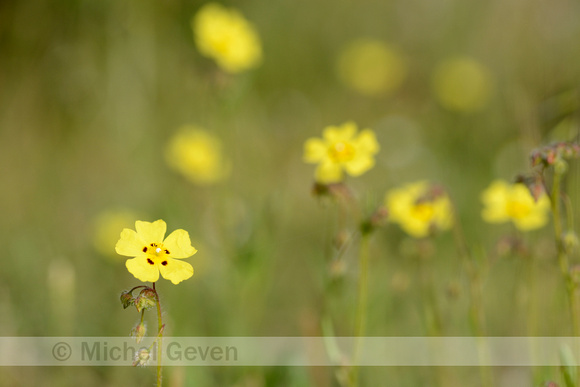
x: 92, y: 91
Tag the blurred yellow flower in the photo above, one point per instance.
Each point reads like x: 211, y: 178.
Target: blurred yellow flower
x: 197, y: 155
x: 153, y: 254
x: 504, y: 202
x: 462, y: 84
x: 341, y: 149
x: 371, y: 67
x: 227, y: 37
x: 106, y: 228
x: 420, y: 208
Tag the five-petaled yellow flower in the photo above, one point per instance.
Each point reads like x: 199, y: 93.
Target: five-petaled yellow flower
x: 227, y: 37
x: 153, y: 254
x: 198, y: 155
x: 462, y: 84
x: 504, y: 202
x: 341, y: 149
x: 420, y: 208
x: 371, y: 67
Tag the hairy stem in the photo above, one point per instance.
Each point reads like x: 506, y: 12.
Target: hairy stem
x: 563, y: 261
x: 362, y: 300
x: 159, y: 337
x: 476, y: 310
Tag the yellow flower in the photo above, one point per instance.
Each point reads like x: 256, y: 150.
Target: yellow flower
x: 341, y: 149
x: 371, y: 67
x: 106, y: 229
x: 227, y: 37
x: 197, y: 155
x: 504, y: 202
x: 153, y: 254
x: 420, y: 208
x: 462, y: 84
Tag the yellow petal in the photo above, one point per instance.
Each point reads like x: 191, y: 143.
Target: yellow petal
x: 151, y: 232
x: 315, y: 150
x: 328, y: 172
x: 531, y: 222
x: 130, y: 243
x: 537, y: 215
x: 142, y: 269
x: 359, y: 165
x: 495, y: 200
x: 416, y: 228
x: 175, y: 270
x: 179, y: 244
x: 366, y: 142
x: 345, y: 132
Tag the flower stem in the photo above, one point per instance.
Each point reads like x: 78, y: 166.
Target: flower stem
x: 159, y: 337
x: 571, y: 285
x: 361, y: 310
x: 476, y: 310
x: 563, y: 255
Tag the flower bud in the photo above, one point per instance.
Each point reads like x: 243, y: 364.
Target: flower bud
x: 145, y: 300
x: 126, y: 299
x: 570, y: 240
x: 338, y: 191
x: 552, y: 154
x: 377, y: 219
x: 337, y: 269
x: 142, y: 357
x: 560, y: 166
x: 139, y: 332
x: 575, y: 274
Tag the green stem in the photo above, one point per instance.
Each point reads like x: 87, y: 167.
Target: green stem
x: 571, y: 286
x: 136, y: 287
x: 159, y: 337
x: 563, y: 261
x: 361, y: 310
x: 476, y: 310
x: 562, y: 256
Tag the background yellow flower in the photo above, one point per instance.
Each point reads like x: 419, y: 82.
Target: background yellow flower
x: 504, y: 202
x: 462, y: 84
x: 371, y: 67
x: 341, y: 149
x: 106, y: 229
x: 224, y: 35
x: 419, y: 208
x: 197, y: 155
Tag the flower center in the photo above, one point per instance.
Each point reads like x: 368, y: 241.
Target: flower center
x: 517, y: 209
x: 423, y: 211
x: 156, y: 251
x: 341, y: 151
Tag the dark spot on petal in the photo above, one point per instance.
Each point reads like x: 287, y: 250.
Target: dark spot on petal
x: 164, y: 263
x: 145, y: 249
x: 150, y: 261
x: 166, y: 251
x: 152, y: 245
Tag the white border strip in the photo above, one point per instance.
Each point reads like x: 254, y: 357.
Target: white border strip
x: 292, y: 351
